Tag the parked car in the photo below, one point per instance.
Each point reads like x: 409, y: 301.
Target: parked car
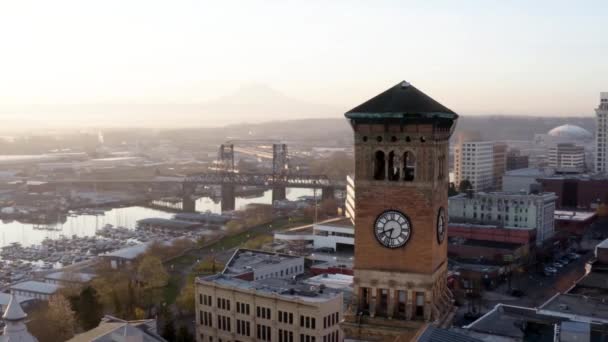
x: 557, y: 264
x: 573, y: 256
x: 517, y: 293
x: 550, y: 271
x: 564, y: 261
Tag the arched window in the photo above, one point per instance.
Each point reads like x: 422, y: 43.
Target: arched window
x: 379, y: 166
x: 441, y: 166
x: 409, y: 166
x: 393, y: 166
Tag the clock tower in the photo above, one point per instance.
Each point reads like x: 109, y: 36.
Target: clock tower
x: 401, y: 183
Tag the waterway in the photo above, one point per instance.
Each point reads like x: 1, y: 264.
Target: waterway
x: 86, y: 225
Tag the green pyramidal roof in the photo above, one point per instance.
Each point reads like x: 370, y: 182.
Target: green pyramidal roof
x: 402, y: 101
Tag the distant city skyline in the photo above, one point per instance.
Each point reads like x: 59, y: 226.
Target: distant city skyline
x: 480, y: 57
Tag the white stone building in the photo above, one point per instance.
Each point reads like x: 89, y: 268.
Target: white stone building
x: 567, y: 158
x: 601, y: 135
x: 474, y: 161
x: 512, y: 210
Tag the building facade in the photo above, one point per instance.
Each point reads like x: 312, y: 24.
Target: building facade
x: 232, y: 309
x: 513, y: 210
x: 515, y: 160
x: 499, y: 153
x: 601, y: 135
x: 401, y: 176
x: 474, y: 161
x: 567, y: 158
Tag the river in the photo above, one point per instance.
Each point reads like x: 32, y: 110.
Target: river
x: 86, y: 225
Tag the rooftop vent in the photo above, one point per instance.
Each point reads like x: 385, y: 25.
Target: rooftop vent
x: 405, y: 84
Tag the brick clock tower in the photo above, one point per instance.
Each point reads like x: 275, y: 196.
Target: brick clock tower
x: 401, y: 186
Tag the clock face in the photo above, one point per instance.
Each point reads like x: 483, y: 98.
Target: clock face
x: 441, y: 225
x: 392, y: 229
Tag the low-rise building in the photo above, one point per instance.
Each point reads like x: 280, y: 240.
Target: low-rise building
x: 333, y: 235
x: 573, y: 222
x: 256, y: 265
x: 34, y: 289
x: 68, y: 278
x: 272, y: 309
x: 506, y: 209
x: 521, y: 179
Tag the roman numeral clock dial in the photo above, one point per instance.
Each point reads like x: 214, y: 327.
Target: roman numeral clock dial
x: 392, y: 229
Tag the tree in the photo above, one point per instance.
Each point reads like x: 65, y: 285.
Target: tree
x: 151, y: 272
x: 465, y: 185
x: 169, y: 330
x: 87, y: 307
x: 61, y: 318
x: 452, y: 190
x: 185, y: 300
x: 184, y: 335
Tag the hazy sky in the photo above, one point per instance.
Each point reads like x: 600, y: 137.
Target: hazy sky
x: 476, y: 57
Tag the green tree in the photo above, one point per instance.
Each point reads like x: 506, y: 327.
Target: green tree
x: 151, y: 272
x: 87, y: 307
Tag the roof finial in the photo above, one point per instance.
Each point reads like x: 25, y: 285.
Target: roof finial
x: 405, y: 84
x: 13, y: 311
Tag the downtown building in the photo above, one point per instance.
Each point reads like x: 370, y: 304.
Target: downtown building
x: 257, y: 298
x: 567, y: 158
x: 601, y: 135
x: 521, y: 211
x: 474, y: 161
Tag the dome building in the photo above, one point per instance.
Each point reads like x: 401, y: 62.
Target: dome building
x: 570, y: 134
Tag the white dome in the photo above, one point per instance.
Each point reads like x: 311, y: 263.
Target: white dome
x: 571, y: 132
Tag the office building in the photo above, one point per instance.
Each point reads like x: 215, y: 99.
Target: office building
x: 514, y: 210
x: 500, y: 164
x: 474, y: 161
x: 567, y: 158
x: 515, y: 160
x: 601, y: 135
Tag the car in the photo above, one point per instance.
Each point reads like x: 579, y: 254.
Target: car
x: 564, y: 261
x: 557, y: 264
x: 550, y: 271
x: 574, y: 256
x: 517, y: 293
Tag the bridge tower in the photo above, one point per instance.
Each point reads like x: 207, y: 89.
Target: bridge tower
x: 226, y: 164
x: 225, y: 158
x: 280, y: 167
x: 188, y: 203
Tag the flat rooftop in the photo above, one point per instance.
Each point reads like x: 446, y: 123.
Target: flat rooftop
x: 36, y: 286
x: 128, y: 253
x: 247, y: 260
x: 527, y: 172
x: 568, y: 215
x: 344, y: 223
x: 74, y: 277
x: 596, y: 310
x: 287, y: 289
x: 334, y: 281
x: 507, y: 320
